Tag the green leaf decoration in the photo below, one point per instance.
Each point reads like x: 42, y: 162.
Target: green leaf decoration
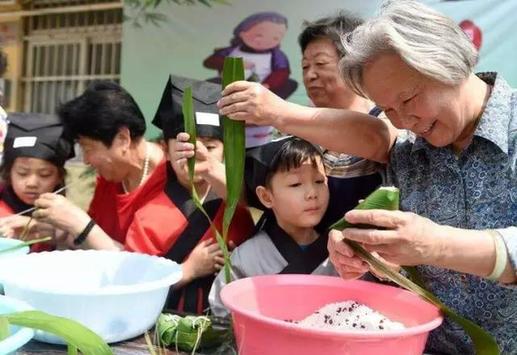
x: 388, y: 198
x: 24, y: 244
x: 76, y: 335
x: 234, y: 151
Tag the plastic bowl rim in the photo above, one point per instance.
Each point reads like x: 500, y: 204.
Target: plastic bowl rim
x: 164, y: 282
x: 24, y: 334
x: 370, y: 334
x: 11, y: 242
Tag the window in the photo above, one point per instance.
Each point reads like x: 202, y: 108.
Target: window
x: 64, y: 52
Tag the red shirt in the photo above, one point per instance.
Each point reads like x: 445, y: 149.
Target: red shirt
x: 114, y: 211
x: 171, y: 226
x: 158, y: 225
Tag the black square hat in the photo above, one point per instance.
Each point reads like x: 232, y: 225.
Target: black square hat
x: 37, y: 135
x: 169, y: 116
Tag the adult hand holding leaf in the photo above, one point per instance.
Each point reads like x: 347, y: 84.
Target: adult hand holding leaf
x: 388, y: 198
x: 253, y: 103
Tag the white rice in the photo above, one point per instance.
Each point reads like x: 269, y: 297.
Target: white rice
x: 349, y: 315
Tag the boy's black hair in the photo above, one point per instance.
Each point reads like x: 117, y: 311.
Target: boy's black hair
x: 101, y: 111
x: 282, y: 155
x: 290, y: 156
x: 332, y: 27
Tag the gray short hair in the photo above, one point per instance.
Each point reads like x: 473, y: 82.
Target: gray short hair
x: 331, y: 27
x: 431, y: 43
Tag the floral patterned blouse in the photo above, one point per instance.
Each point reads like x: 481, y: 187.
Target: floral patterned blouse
x: 475, y: 190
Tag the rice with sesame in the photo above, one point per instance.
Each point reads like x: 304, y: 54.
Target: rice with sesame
x: 349, y: 315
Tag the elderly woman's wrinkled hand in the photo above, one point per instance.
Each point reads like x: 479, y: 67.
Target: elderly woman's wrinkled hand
x: 405, y: 238
x: 60, y: 212
x: 348, y: 265
x: 250, y: 102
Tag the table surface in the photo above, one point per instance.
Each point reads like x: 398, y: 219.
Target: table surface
x: 135, y: 346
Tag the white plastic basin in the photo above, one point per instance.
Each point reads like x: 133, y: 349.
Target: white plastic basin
x: 119, y: 295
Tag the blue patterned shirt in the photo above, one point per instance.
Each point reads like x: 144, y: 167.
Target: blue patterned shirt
x: 475, y: 190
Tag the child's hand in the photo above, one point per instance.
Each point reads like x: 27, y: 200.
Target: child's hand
x: 180, y: 150
x: 12, y: 226
x: 205, y: 259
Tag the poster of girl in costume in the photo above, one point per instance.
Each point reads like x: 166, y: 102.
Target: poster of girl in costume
x: 257, y: 40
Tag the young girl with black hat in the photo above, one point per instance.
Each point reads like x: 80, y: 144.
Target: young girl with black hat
x: 35, y: 152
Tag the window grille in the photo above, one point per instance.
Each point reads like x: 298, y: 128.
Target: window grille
x: 64, y: 52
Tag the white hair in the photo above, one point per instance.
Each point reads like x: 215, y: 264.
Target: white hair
x: 429, y: 42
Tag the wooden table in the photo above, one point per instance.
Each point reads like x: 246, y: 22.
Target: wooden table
x: 135, y: 346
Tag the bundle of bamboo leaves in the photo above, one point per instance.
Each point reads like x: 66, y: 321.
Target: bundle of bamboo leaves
x: 234, y: 156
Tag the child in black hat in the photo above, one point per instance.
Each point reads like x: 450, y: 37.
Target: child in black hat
x: 288, y: 178
x: 35, y: 152
x: 186, y: 237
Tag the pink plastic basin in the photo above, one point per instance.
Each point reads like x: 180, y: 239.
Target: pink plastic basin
x: 260, y: 305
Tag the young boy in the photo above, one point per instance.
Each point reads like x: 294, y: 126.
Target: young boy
x: 289, y: 180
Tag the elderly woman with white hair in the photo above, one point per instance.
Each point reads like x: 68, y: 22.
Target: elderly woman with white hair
x: 455, y: 166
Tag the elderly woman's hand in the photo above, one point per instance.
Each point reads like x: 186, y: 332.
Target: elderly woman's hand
x: 405, y: 238
x: 251, y: 102
x: 60, y: 212
x: 348, y: 265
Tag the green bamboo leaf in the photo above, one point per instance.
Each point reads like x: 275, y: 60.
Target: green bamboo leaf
x: 72, y: 332
x: 72, y: 350
x: 4, y: 328
x: 388, y: 198
x: 24, y: 244
x: 234, y: 152
x: 189, y: 123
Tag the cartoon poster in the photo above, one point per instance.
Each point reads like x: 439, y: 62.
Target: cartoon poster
x: 257, y: 39
x: 192, y: 40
